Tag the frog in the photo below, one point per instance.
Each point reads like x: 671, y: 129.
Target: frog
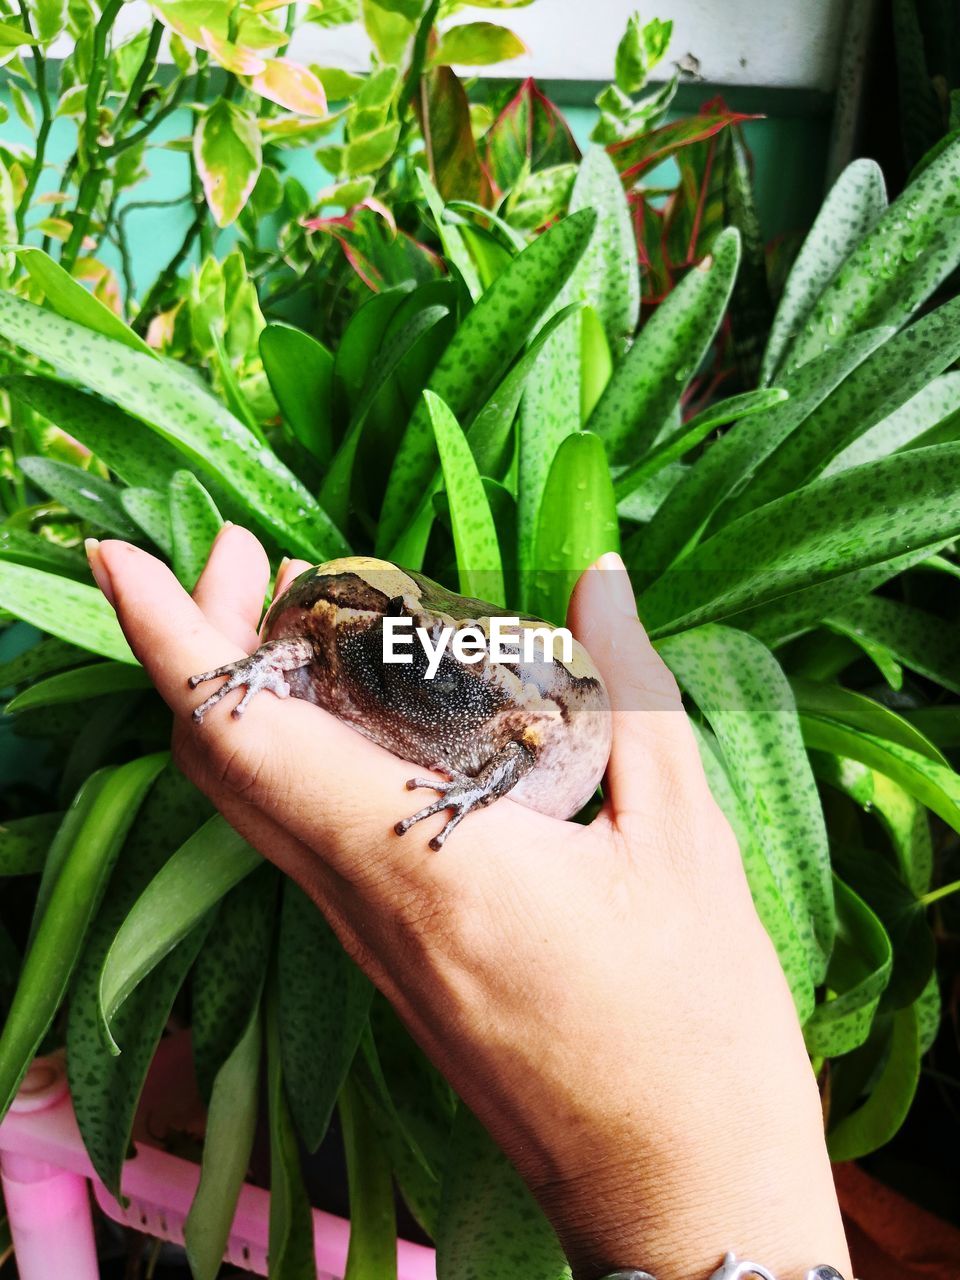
x: 537, y: 727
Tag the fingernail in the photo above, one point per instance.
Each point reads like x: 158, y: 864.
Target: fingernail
x: 99, y: 570
x: 616, y: 583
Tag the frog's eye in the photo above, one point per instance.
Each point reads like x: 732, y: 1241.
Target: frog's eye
x: 394, y: 608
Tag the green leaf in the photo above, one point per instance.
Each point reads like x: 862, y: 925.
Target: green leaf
x: 14, y: 37
x: 577, y: 524
x: 69, y: 299
x: 290, y: 1253
x: 933, y: 404
x: 192, y: 881
x: 24, y: 843
x: 89, y: 496
x: 138, y: 456
x: 73, y: 900
x: 934, y: 785
x: 106, y: 1089
x: 858, y: 974
x: 851, y: 521
x: 694, y: 431
x: 474, y: 534
x: 767, y: 898
x: 227, y: 153
x: 732, y: 458
x: 71, y: 610
x: 150, y: 511
x: 878, y: 1119
x: 227, y: 1144
x: 918, y: 639
x: 490, y: 1225
x: 183, y: 411
x: 882, y: 383
x: 454, y: 248
x: 831, y: 702
x: 228, y: 974
x: 300, y: 372
x: 324, y: 1000
x: 648, y: 384
x: 91, y: 681
x: 743, y: 693
x: 372, y: 1254
x: 476, y: 44
x: 194, y: 524
x: 906, y: 255
x: 608, y: 275
x: 36, y: 552
x: 484, y: 345
x: 40, y: 659
x: 851, y: 209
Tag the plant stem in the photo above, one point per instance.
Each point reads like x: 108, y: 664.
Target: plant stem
x: 154, y: 300
x: 138, y: 135
x: 144, y: 72
x: 43, y: 95
x: 95, y: 152
x: 936, y: 894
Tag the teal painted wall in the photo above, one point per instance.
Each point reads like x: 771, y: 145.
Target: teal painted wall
x: 788, y: 147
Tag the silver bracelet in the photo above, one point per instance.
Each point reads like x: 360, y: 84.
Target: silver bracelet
x: 731, y: 1269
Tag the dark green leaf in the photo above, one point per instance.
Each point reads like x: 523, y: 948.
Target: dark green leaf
x: 300, y: 372
x: 24, y: 843
x: 372, y: 1254
x: 881, y: 1115
x: 85, y: 682
x: 87, y: 495
x: 920, y: 640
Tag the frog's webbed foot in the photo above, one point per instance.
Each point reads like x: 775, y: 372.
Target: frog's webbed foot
x: 264, y: 669
x: 464, y: 793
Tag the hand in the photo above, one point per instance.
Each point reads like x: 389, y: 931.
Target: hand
x: 603, y: 997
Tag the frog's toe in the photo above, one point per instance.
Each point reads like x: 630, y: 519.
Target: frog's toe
x: 261, y: 670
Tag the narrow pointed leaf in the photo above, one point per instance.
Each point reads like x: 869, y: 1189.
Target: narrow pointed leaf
x: 89, y: 496
x: 194, y: 524
x: 920, y: 640
x: 933, y: 404
x: 878, y: 1119
x: 91, y: 681
x: 372, y: 1254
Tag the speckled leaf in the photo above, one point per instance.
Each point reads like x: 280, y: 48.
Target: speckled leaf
x: 34, y: 552
x: 851, y: 209
x: 878, y: 1119
x: 24, y: 843
x: 290, y: 1253
x: 90, y: 681
x: 766, y: 895
x: 89, y: 496
x: 782, y: 619
x: 691, y: 433
x: 300, y: 372
x: 194, y: 524
x: 933, y: 784
x: 858, y: 974
x: 227, y: 1144
x: 73, y: 901
x: 480, y: 572
x: 491, y: 1228
x: 191, y: 882
x: 106, y: 1089
x: 451, y: 238
x: 179, y: 410
x: 650, y: 380
x: 487, y: 341
x: 372, y: 1254
x: 856, y: 711
x: 920, y: 640
x: 335, y: 492
x: 882, y: 383
x: 71, y: 610
x: 39, y: 660
x: 137, y: 455
x: 323, y: 1004
x: 229, y: 972
x: 489, y: 433
x: 149, y: 509
x: 607, y: 277
x: 928, y: 1010
x: 932, y: 404
x: 857, y: 519
x: 742, y: 691
x: 911, y: 250
x: 577, y: 523
x: 732, y: 458
x: 68, y: 298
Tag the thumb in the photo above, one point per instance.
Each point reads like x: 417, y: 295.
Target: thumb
x: 654, y: 751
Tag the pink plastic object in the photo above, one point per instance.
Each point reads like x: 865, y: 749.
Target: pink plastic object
x: 45, y: 1169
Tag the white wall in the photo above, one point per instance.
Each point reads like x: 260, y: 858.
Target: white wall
x: 790, y: 43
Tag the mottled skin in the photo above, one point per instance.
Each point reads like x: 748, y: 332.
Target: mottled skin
x: 540, y: 731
